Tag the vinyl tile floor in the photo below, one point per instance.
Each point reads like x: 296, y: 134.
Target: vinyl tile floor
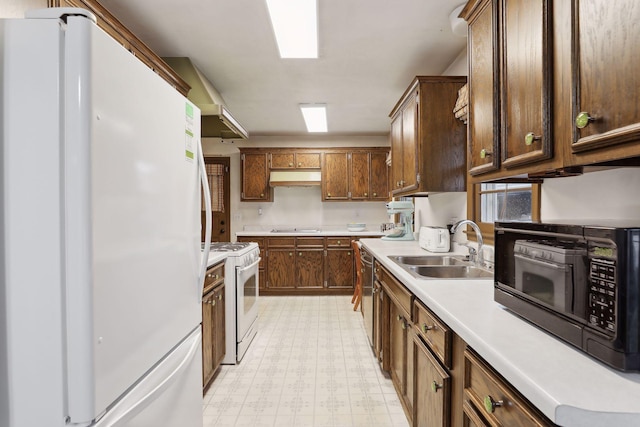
x: 309, y: 365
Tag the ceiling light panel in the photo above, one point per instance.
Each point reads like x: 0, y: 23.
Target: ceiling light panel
x: 315, y: 117
x: 295, y: 24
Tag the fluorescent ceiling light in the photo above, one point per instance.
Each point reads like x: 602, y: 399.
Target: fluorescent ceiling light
x: 295, y: 23
x: 315, y: 116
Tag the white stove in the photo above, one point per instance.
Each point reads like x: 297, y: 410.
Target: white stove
x: 241, y: 286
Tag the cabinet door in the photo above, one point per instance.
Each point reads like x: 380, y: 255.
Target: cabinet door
x: 282, y: 161
x: 605, y: 106
x: 397, y: 347
x: 432, y: 389
x: 335, y: 182
x: 219, y: 340
x: 281, y: 269
x: 360, y: 175
x: 207, y: 339
x: 308, y: 160
x: 410, y: 151
x: 379, y: 175
x: 526, y: 82
x: 484, y: 108
x: 339, y: 268
x: 309, y: 268
x: 255, y: 178
x: 396, y: 152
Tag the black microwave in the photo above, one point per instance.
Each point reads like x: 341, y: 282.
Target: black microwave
x: 580, y: 282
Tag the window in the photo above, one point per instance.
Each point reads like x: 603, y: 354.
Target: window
x: 489, y: 202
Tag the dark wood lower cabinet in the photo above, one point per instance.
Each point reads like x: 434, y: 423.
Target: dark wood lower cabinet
x: 440, y: 380
x: 213, y: 333
x: 432, y: 387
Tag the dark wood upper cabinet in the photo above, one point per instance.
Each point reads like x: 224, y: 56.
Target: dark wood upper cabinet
x: 428, y: 144
x: 606, y: 82
x: 526, y: 83
x: 335, y: 182
x: 255, y: 177
x: 483, y: 126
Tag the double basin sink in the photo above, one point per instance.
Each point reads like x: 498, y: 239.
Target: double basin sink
x: 441, y: 267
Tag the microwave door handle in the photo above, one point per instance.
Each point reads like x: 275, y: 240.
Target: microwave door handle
x: 541, y: 263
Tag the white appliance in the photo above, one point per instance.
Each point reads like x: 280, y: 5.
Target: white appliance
x: 435, y: 239
x: 242, y: 289
x: 100, y: 257
x: 405, y: 209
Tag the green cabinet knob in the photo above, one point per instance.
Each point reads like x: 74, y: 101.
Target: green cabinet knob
x: 530, y: 138
x: 484, y: 153
x: 426, y: 328
x: 583, y: 119
x: 490, y: 405
x: 435, y: 386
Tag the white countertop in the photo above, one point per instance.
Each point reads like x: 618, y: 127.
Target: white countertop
x: 569, y: 387
x: 216, y: 257
x: 324, y: 231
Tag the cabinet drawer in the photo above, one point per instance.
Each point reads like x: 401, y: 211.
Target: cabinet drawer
x: 434, y: 332
x: 339, y: 242
x: 310, y: 242
x: 396, y: 291
x: 501, y: 405
x: 214, y: 277
x: 281, y: 242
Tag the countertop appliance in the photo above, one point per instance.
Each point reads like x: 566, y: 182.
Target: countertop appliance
x: 101, y: 263
x: 435, y: 239
x: 405, y: 209
x: 581, y: 282
x: 241, y: 304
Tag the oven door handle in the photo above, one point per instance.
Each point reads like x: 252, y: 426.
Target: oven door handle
x: 241, y: 270
x: 541, y: 263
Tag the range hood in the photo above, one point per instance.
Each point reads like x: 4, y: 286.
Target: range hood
x: 217, y: 121
x: 286, y: 178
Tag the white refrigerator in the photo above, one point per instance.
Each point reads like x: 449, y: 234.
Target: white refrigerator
x: 100, y: 300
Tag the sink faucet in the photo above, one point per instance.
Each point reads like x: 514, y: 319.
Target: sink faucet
x: 479, y: 258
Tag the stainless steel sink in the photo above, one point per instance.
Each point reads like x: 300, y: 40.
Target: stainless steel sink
x: 430, y: 260
x: 441, y: 267
x: 450, y: 272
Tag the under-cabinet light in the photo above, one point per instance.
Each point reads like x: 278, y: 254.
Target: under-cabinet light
x: 295, y: 24
x: 315, y: 117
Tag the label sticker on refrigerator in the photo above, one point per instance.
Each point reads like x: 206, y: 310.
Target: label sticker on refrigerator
x: 189, y: 148
x: 189, y: 143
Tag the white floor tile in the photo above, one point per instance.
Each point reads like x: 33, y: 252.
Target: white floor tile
x: 310, y: 365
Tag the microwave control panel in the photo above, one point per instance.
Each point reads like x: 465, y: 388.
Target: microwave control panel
x: 602, y: 294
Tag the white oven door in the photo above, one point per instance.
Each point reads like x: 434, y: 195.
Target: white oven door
x: 246, y: 304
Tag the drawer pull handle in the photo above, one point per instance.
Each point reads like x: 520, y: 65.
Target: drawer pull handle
x: 484, y: 153
x: 426, y: 328
x: 583, y: 119
x: 435, y: 386
x: 290, y: 164
x: 213, y: 302
x: 530, y: 138
x: 490, y: 405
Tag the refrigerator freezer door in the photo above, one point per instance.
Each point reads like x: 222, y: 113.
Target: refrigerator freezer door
x: 161, y: 398
x: 132, y: 218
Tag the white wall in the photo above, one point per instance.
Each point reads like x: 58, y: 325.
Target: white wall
x: 297, y: 206
x: 17, y: 8
x: 608, y: 194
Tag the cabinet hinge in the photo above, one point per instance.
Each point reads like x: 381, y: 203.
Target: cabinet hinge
x: 349, y: 194
x: 242, y: 157
x: 325, y: 252
x: 226, y: 169
x: 325, y: 284
x: 242, y: 194
x: 418, y: 178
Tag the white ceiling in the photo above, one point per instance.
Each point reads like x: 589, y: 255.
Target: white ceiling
x: 369, y: 52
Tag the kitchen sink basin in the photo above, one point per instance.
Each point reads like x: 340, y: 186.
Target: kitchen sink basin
x: 450, y: 272
x: 430, y: 260
x: 441, y: 267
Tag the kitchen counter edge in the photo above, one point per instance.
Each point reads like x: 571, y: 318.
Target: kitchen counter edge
x: 566, y: 385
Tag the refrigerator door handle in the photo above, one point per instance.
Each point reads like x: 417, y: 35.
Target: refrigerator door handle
x: 207, y: 233
x: 123, y: 411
